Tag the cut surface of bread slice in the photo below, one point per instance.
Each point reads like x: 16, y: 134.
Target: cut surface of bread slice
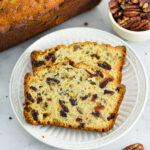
x: 104, y: 56
x: 79, y: 97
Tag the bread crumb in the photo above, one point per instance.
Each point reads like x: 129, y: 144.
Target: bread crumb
x: 10, y: 118
x: 85, y: 23
x: 43, y: 137
x: 6, y: 96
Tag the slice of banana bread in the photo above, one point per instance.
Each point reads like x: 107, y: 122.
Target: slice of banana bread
x: 79, y: 97
x: 104, y: 56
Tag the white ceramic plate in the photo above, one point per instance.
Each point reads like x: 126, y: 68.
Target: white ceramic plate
x: 131, y: 108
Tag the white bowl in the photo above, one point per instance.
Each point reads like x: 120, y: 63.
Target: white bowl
x: 128, y: 34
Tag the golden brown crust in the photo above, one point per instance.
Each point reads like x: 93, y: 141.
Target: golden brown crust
x: 26, y: 24
x: 29, y: 118
x: 118, y: 68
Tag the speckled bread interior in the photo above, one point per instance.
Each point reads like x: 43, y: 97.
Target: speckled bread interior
x: 23, y: 19
x: 108, y: 58
x: 75, y: 96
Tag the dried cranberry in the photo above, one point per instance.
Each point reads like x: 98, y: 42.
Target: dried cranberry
x: 63, y: 114
x: 52, y: 80
x: 84, y: 97
x: 109, y: 92
x: 45, y: 105
x: 94, y: 97
x: 118, y: 89
x: 96, y: 114
x: 38, y: 63
x: 104, y: 65
x: 39, y: 100
x: 49, y: 56
x: 35, y: 115
x: 79, y: 120
x: 65, y: 108
x: 90, y: 74
x: 71, y: 62
x: 99, y: 73
x: 33, y: 88
x: 29, y: 97
x: 95, y: 55
x: 81, y: 125
x: 73, y: 101
x: 99, y: 107
x: 112, y: 116
x: 53, y: 59
x: 49, y: 99
x: 104, y: 83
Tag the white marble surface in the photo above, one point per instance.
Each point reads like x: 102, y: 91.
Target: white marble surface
x: 14, y: 137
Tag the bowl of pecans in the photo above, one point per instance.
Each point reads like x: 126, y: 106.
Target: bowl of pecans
x: 130, y: 19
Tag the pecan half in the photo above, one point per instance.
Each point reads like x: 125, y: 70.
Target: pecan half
x: 136, y: 146
x: 145, y: 4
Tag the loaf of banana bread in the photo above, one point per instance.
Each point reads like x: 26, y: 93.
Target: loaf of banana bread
x: 23, y: 19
